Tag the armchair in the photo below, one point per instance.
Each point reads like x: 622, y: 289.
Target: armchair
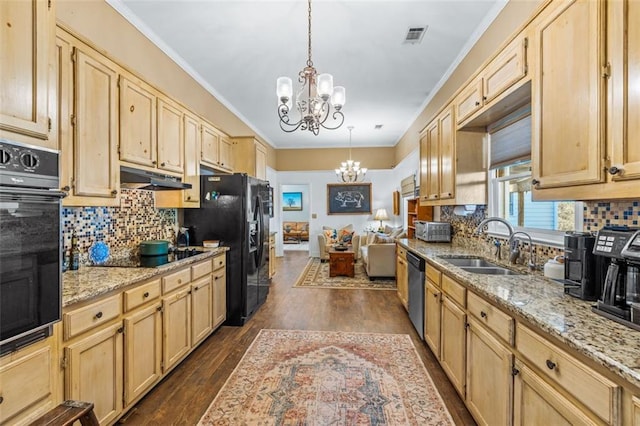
x: 324, y: 243
x: 378, y: 254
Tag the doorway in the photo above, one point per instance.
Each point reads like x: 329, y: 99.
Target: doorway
x: 295, y: 214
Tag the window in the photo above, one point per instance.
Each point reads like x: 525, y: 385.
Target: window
x: 510, y: 195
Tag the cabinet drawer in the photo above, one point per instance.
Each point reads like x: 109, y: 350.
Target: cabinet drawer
x: 176, y: 280
x: 141, y: 295
x: 493, y: 318
x: 456, y: 291
x: 433, y: 274
x: 201, y: 269
x: 595, y: 391
x: 80, y: 320
x: 402, y: 252
x: 219, y: 262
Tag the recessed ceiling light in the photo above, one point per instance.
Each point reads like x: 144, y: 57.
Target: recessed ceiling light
x: 415, y: 34
x: 378, y: 126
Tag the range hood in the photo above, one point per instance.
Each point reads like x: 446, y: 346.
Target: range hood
x: 142, y: 179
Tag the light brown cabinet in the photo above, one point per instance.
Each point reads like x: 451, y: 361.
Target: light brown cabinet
x: 453, y: 343
x: 219, y: 290
x: 201, y: 308
x: 138, y: 109
x: 27, y: 383
x: 402, y: 276
x: 192, y: 146
x: 216, y: 149
x: 170, y: 136
x: 272, y: 255
x: 250, y: 156
x: 489, y: 381
x: 636, y: 411
x: 85, y: 124
x: 26, y: 43
x: 176, y: 327
x: 433, y: 299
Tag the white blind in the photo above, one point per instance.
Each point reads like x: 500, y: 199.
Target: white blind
x: 408, y: 186
x: 510, y: 139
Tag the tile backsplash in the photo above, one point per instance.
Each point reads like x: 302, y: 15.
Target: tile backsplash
x: 121, y: 228
x: 599, y: 214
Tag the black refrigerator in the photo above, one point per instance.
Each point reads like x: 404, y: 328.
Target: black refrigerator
x: 235, y: 210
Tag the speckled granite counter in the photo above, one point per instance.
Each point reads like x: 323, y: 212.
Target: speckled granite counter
x: 92, y: 281
x: 542, y: 302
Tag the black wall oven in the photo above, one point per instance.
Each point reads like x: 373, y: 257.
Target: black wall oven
x: 30, y: 245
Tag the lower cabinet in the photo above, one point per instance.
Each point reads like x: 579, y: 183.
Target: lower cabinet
x: 219, y: 291
x: 94, y: 371
x: 201, y: 309
x: 453, y: 341
x: 635, y: 411
x: 402, y: 276
x: 272, y: 255
x: 489, y: 379
x: 433, y: 299
x: 176, y: 326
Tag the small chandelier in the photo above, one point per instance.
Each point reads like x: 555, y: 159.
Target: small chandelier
x: 314, y: 100
x: 350, y: 170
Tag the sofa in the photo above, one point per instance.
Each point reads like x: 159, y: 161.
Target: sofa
x: 331, y: 236
x: 378, y: 252
x: 295, y: 231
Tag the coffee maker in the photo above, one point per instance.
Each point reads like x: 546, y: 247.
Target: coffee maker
x: 583, y: 275
x: 620, y: 299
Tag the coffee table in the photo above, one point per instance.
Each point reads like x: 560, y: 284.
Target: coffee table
x: 341, y: 262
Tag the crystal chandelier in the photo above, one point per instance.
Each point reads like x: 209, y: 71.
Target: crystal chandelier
x: 314, y: 100
x: 350, y: 170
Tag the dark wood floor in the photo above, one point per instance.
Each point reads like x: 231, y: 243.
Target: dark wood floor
x: 183, y: 396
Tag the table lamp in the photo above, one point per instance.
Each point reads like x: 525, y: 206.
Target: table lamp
x: 381, y: 214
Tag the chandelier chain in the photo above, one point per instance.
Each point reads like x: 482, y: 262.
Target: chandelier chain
x: 309, y: 61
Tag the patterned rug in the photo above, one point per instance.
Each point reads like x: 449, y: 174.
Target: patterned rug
x: 292, y: 377
x: 316, y: 275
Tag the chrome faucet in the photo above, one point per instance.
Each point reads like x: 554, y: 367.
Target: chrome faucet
x: 484, y: 222
x: 532, y: 263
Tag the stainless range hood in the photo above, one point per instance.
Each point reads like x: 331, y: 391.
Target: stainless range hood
x: 150, y: 181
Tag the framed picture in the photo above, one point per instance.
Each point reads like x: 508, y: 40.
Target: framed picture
x: 291, y: 201
x: 349, y: 198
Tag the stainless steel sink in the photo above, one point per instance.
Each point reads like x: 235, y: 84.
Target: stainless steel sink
x: 469, y: 261
x: 492, y: 270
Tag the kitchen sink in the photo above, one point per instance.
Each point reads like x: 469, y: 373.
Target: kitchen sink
x: 469, y: 261
x: 491, y: 270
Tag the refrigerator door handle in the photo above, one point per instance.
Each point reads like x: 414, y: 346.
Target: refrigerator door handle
x: 260, y: 231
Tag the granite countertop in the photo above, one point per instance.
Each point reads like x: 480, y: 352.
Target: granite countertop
x: 542, y: 302
x: 92, y: 281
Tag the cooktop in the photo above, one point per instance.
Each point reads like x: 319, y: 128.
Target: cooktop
x: 139, y: 261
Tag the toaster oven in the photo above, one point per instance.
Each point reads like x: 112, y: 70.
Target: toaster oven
x: 433, y: 232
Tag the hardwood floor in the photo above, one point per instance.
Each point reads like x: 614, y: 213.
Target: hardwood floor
x: 183, y: 396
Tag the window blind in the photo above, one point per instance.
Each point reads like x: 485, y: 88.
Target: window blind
x: 510, y: 139
x: 408, y: 186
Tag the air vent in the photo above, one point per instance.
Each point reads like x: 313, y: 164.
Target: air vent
x: 378, y: 126
x: 415, y: 34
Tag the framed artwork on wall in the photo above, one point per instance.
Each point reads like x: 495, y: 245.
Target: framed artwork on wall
x: 291, y: 201
x: 349, y: 198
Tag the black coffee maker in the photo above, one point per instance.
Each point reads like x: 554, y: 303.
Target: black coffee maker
x: 583, y: 273
x: 621, y: 286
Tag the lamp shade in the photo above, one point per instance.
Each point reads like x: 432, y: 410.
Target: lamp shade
x: 381, y: 214
x: 284, y: 88
x: 339, y: 97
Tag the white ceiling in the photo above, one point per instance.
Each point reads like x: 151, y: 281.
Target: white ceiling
x: 237, y: 48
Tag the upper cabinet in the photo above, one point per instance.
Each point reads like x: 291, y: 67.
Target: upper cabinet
x: 505, y: 73
x: 170, y: 135
x: 138, y: 123
x: 250, y: 157
x: 216, y: 149
x: 27, y: 43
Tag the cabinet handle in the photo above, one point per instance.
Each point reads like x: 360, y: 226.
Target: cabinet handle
x: 535, y: 182
x: 484, y: 98
x: 180, y: 281
x: 121, y: 330
x: 477, y: 103
x: 550, y: 364
x: 146, y: 294
x: 195, y: 288
x: 163, y: 164
x: 515, y: 371
x: 132, y: 108
x: 154, y: 162
x: 188, y: 197
x: 66, y: 188
x: 613, y: 170
x: 114, y: 192
x: 159, y: 308
x: 483, y: 314
x: 99, y: 315
x: 1, y: 399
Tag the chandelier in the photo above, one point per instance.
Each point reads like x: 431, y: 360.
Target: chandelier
x: 314, y: 100
x: 350, y: 170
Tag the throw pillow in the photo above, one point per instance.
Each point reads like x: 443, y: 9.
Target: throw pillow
x: 331, y: 235
x: 287, y: 228
x: 345, y: 236
x: 370, y: 237
x: 389, y: 230
x: 382, y: 239
x: 403, y: 234
x: 396, y: 232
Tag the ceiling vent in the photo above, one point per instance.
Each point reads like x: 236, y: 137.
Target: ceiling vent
x: 415, y: 34
x: 378, y: 126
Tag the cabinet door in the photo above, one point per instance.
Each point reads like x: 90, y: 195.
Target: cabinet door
x: 447, y: 152
x: 137, y: 123
x: 26, y: 385
x: 489, y: 379
x: 432, y: 302
x: 636, y: 411
x: 95, y: 372
x: 624, y: 107
x: 210, y: 146
x: 535, y: 402
x: 424, y: 166
x: 201, y: 309
x: 62, y: 111
x: 176, y: 326
x: 219, y: 297
x: 433, y: 160
x: 143, y: 351
x: 567, y: 105
x: 261, y: 162
x: 226, y: 153
x: 469, y: 101
x: 25, y: 40
x: 506, y: 69
x: 170, y: 136
x: 453, y: 343
x: 192, y: 160
x: 96, y: 168
x: 402, y: 279
x: 272, y: 256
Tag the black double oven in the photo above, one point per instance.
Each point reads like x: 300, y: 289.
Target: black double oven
x: 30, y: 244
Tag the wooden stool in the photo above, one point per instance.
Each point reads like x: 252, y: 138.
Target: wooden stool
x: 67, y: 413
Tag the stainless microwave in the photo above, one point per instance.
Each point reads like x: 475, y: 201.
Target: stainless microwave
x: 433, y: 232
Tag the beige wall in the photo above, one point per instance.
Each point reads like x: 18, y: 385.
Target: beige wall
x: 514, y: 15
x: 99, y: 24
x: 330, y: 158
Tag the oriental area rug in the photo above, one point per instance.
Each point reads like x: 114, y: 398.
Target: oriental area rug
x: 316, y: 275
x: 293, y: 377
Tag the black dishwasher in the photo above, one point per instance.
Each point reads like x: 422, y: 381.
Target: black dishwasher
x: 416, y: 292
